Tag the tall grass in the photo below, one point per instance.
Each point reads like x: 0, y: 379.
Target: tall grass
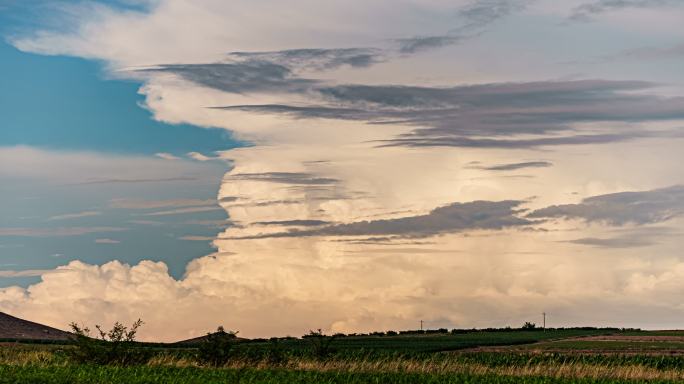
x: 171, y: 375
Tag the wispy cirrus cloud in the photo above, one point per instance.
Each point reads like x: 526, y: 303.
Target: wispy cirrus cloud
x: 56, y: 232
x: 77, y: 215
x: 26, y: 272
x: 154, y: 204
x: 181, y: 211
x: 472, y: 20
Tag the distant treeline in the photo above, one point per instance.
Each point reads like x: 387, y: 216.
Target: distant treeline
x: 456, y: 331
x: 442, y: 331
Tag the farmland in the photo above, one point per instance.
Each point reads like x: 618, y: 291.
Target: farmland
x: 493, y: 356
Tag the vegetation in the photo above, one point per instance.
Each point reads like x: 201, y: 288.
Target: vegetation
x: 441, y: 356
x: 116, y: 346
x: 216, y: 348
x: 134, y: 375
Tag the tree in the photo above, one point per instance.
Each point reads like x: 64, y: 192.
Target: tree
x: 216, y: 348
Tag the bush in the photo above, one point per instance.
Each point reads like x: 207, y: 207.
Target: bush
x: 529, y: 326
x: 115, y: 347
x: 216, y: 348
x: 320, y: 345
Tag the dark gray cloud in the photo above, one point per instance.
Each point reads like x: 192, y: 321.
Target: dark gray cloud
x: 577, y: 139
x: 296, y: 178
x: 622, y: 208
x: 483, y: 115
x: 586, y: 11
x: 456, y: 217
x: 240, y: 77
x: 632, y: 238
x: 516, y: 166
x: 316, y: 58
x: 417, y: 44
x: 471, y: 21
x: 613, y: 242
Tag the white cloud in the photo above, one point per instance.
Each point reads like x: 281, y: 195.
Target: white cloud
x: 77, y: 215
x: 166, y: 156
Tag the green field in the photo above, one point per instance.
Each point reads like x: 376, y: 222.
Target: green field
x: 135, y: 375
x: 499, y: 356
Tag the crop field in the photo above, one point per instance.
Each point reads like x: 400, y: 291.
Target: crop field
x: 516, y: 356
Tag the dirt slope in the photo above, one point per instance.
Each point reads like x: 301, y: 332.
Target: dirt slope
x: 15, y: 328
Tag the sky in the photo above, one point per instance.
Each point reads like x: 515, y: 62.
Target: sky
x: 349, y: 166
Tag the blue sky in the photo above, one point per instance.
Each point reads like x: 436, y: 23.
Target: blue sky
x: 66, y: 105
x: 81, y: 110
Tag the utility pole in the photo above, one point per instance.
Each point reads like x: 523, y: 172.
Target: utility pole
x: 421, y: 325
x: 544, y: 322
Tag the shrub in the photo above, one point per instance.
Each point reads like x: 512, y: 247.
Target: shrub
x: 320, y: 345
x: 529, y: 325
x: 216, y: 348
x: 113, y: 347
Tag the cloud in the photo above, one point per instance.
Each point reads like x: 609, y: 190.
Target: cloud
x: 294, y: 223
x: 136, y: 181
x: 316, y: 58
x: 77, y: 215
x: 473, y: 19
x: 517, y: 166
x: 25, y: 273
x: 638, y: 237
x: 578, y: 139
x: 154, y: 204
x: 652, y: 53
x: 423, y: 43
x: 184, y: 211
x: 296, y: 178
x: 197, y: 238
x: 240, y: 77
x: 56, y: 232
x: 106, y: 241
x: 456, y: 217
x: 587, y: 11
x: 88, y: 168
x: 622, y: 208
x: 166, y: 156
x: 613, y: 242
x: 480, y: 115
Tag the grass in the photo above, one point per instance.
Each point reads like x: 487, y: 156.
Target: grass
x: 424, y: 358
x: 190, y: 375
x: 613, y: 345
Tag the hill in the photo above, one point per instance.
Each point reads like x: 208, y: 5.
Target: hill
x: 14, y: 328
